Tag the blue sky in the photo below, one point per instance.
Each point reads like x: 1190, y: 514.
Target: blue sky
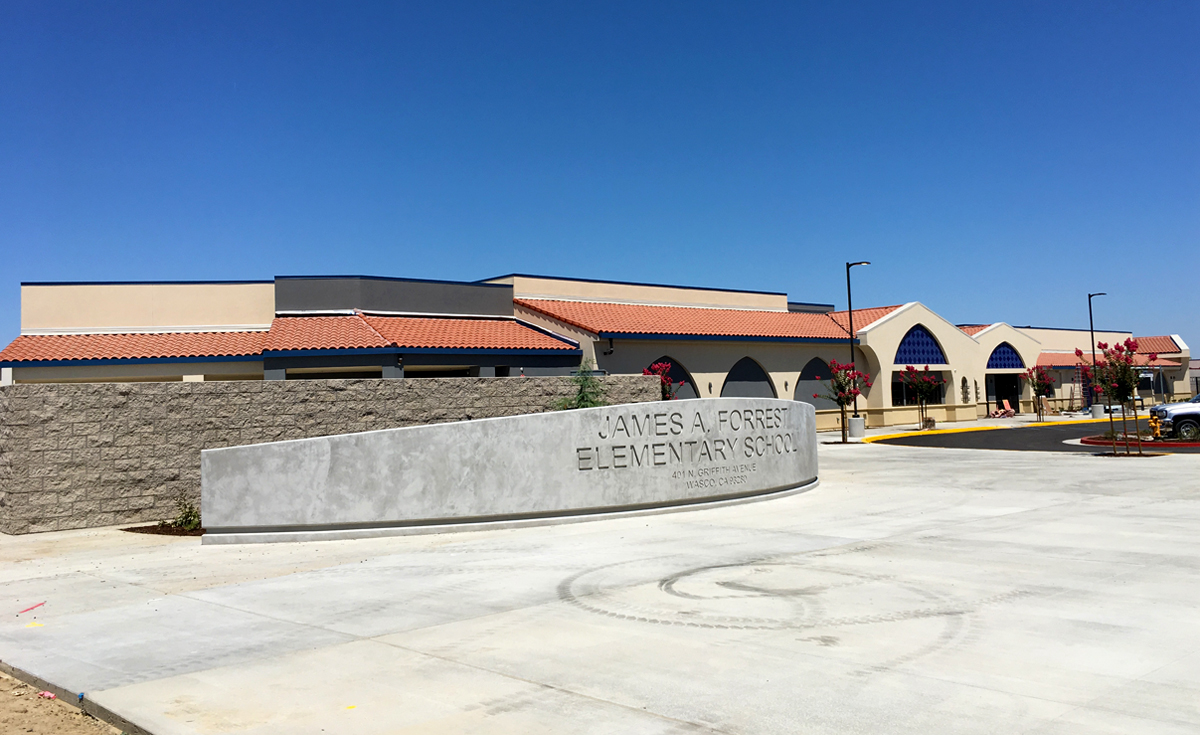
x: 994, y: 161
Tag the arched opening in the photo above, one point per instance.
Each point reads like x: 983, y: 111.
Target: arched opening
x: 679, y: 373
x: 814, y: 379
x: 747, y: 379
x: 919, y: 348
x: 1005, y: 357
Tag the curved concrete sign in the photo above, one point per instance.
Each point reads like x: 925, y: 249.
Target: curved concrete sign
x: 539, y: 466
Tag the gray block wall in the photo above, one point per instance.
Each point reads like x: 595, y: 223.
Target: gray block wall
x: 83, y: 455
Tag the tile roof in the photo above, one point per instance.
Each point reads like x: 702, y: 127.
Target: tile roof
x: 1069, y: 360
x: 973, y: 329
x: 289, y: 333
x: 862, y: 317
x: 322, y: 333
x: 610, y: 318
x: 485, y: 334
x: 1160, y: 345
x: 40, y: 347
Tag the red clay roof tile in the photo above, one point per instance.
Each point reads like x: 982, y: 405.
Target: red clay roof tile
x: 485, y: 334
x: 289, y: 333
x: 609, y: 318
x: 1160, y: 345
x: 862, y: 317
x: 40, y: 347
x: 1069, y: 360
x: 973, y: 329
x: 322, y: 333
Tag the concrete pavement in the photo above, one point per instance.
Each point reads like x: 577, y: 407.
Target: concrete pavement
x: 916, y: 590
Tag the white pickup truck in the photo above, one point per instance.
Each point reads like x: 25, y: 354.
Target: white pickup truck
x: 1180, y: 419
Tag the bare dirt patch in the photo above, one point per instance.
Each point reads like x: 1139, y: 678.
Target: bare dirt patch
x: 23, y: 711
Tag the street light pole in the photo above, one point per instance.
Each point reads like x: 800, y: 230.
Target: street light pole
x: 850, y: 311
x: 1092, y: 331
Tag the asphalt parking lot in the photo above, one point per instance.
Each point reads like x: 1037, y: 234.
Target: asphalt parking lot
x: 1025, y: 439
x: 915, y: 590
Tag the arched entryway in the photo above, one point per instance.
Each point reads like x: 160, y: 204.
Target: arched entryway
x: 747, y: 379
x: 814, y: 379
x: 678, y: 373
x: 1004, y: 385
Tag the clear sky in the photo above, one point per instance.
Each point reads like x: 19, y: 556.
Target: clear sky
x: 995, y: 161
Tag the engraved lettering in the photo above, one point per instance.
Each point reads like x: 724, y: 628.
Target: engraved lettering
x: 585, y: 457
x: 619, y: 456
x: 640, y: 428
x: 676, y: 423
x: 659, y: 452
x: 639, y: 460
x: 621, y: 427
x: 660, y: 424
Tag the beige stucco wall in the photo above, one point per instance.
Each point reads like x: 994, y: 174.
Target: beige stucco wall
x: 557, y: 288
x: 1068, y: 340
x: 141, y: 373
x: 145, y: 307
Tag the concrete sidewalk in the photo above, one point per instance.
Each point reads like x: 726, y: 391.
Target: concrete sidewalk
x: 915, y: 591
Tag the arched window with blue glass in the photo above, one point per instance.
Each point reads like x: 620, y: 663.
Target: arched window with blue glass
x: 919, y: 348
x: 1004, y: 357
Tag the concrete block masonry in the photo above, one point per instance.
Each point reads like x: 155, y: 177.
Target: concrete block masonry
x: 83, y: 455
x: 521, y: 468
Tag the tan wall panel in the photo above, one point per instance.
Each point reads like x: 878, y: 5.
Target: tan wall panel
x: 140, y: 372
x: 524, y: 286
x: 146, y: 306
x: 1067, y: 340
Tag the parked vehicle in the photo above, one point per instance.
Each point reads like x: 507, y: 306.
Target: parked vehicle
x: 1180, y: 419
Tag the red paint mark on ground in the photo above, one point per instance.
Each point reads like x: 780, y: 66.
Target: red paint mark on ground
x: 31, y: 608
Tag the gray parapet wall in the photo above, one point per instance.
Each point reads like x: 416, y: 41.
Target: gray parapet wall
x: 535, y: 468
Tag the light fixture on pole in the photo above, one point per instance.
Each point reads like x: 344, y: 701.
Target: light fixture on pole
x: 1092, y: 332
x: 850, y: 312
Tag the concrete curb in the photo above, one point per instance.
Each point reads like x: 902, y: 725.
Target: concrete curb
x: 72, y: 698
x: 965, y: 430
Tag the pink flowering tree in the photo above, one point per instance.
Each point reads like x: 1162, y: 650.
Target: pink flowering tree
x: 1116, y: 378
x: 669, y: 388
x: 922, y: 385
x: 845, y: 384
x: 1041, y: 383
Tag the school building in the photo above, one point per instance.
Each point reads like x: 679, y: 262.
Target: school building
x: 719, y: 342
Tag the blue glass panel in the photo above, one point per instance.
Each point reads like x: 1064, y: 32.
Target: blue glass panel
x: 1005, y: 357
x: 919, y: 348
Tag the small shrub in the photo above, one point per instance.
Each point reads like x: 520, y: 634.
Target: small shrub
x: 187, y: 515
x: 589, y: 391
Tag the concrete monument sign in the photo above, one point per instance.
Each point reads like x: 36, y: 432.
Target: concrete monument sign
x: 522, y: 468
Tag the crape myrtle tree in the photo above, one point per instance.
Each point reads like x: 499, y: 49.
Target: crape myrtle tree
x: 662, y: 370
x: 1041, y: 383
x: 922, y: 385
x: 845, y: 384
x: 1116, y: 377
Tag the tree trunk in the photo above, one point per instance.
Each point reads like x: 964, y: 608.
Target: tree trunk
x: 1124, y: 429
x: 845, y: 439
x: 1112, y: 428
x: 1137, y: 432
